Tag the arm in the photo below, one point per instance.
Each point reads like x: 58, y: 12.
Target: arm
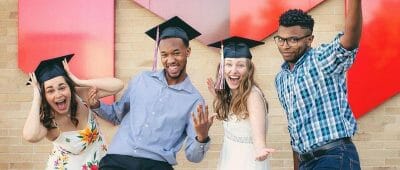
x: 258, y: 122
x: 33, y: 130
x: 112, y: 113
x: 198, y: 142
x: 295, y: 161
x: 338, y: 56
x: 353, y: 25
x: 104, y: 86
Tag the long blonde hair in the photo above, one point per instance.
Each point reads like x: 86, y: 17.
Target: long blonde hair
x: 224, y: 102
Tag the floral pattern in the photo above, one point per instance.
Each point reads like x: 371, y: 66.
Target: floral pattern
x: 81, y: 149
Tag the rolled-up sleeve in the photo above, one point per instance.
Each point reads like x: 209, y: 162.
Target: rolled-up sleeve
x: 115, y: 112
x: 333, y: 58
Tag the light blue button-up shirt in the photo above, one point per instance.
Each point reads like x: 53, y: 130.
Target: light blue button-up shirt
x: 155, y: 119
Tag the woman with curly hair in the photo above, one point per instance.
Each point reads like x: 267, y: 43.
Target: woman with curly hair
x: 60, y: 114
x: 241, y: 105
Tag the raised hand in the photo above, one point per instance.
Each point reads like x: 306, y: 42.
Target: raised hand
x: 92, y: 98
x: 202, y: 123
x: 34, y: 83
x: 210, y: 86
x: 263, y: 153
x: 69, y: 73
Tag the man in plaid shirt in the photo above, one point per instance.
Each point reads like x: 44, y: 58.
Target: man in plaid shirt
x: 312, y: 89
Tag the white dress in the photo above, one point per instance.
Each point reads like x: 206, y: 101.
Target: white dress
x: 238, y: 151
x: 78, y: 150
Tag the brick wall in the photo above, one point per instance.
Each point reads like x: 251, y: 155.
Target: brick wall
x: 378, y: 138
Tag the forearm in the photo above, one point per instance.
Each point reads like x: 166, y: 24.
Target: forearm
x: 109, y: 113
x: 33, y: 130
x: 258, y: 128
x: 111, y: 85
x: 353, y: 27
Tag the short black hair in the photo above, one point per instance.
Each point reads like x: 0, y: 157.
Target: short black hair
x: 294, y: 17
x: 185, y: 42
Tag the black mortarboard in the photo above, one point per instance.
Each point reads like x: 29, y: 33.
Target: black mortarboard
x: 174, y: 27
x: 233, y: 47
x: 237, y: 47
x: 50, y: 68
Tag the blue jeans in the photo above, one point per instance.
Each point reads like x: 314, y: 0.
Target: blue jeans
x: 343, y: 157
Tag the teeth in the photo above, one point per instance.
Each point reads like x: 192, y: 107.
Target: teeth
x: 60, y: 101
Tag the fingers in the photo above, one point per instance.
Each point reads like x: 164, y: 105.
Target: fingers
x: 212, y: 117
x: 65, y: 64
x: 264, y: 153
x: 210, y: 86
x: 194, y: 119
x: 33, y: 77
x: 205, y: 117
x: 270, y: 150
x: 200, y: 115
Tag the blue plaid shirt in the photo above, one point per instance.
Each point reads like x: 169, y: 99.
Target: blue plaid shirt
x: 314, y: 96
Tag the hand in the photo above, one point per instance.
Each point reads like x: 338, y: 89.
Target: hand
x: 263, y: 153
x: 92, y: 98
x: 202, y: 123
x: 34, y: 83
x: 210, y: 86
x: 69, y: 73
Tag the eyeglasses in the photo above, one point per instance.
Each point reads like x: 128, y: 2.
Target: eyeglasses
x: 291, y: 41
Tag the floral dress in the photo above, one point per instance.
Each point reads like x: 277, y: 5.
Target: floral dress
x: 78, y: 150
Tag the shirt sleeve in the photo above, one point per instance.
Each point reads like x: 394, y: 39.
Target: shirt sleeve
x: 279, y: 88
x: 194, y: 150
x: 333, y: 58
x: 115, y: 112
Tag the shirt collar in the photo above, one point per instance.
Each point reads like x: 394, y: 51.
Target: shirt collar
x: 185, y: 85
x: 285, y: 65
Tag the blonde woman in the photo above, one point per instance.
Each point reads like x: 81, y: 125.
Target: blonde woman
x: 241, y: 105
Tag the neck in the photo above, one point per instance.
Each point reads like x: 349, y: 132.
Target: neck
x: 174, y: 81
x: 234, y: 91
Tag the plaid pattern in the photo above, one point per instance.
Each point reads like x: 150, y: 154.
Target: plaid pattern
x: 314, y: 96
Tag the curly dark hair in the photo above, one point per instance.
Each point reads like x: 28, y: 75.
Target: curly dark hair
x: 46, y: 117
x: 295, y: 17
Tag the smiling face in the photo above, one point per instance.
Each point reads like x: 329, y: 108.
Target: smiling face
x: 58, y: 94
x: 301, y: 41
x: 174, y: 55
x: 235, y: 70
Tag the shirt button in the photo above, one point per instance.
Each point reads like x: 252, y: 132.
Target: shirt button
x: 140, y: 138
x: 153, y: 113
x: 134, y: 151
x: 146, y: 125
x: 160, y: 100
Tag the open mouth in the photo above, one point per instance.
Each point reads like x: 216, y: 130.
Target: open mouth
x: 173, y: 69
x: 234, y: 79
x: 61, y: 105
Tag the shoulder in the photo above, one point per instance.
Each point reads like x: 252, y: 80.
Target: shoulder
x: 255, y: 94
x: 139, y: 76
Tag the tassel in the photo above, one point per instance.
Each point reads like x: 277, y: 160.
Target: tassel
x: 220, y: 82
x: 156, y: 50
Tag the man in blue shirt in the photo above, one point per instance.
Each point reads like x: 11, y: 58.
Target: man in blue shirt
x: 155, y: 113
x: 312, y: 89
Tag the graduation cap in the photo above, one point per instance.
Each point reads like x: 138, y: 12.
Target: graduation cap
x: 175, y: 27
x: 236, y: 47
x: 232, y: 47
x: 50, y: 68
